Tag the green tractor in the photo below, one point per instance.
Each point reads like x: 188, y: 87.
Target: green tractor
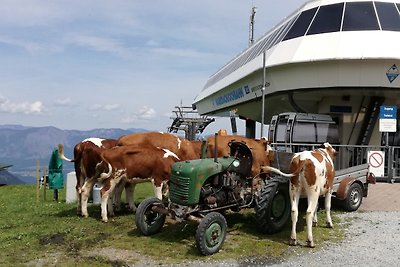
x: 202, y: 190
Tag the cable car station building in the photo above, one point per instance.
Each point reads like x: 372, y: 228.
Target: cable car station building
x: 340, y: 58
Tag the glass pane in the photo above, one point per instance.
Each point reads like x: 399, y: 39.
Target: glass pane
x: 281, y: 131
x: 360, y: 16
x: 304, y: 132
x: 327, y: 133
x: 300, y: 27
x: 328, y: 19
x: 388, y: 16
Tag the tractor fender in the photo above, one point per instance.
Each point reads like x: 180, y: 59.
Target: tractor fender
x: 344, y: 185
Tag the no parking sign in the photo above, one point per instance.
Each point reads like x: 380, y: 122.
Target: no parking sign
x: 376, y: 161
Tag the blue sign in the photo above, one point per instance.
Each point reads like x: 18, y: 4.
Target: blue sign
x: 388, y: 112
x: 229, y: 97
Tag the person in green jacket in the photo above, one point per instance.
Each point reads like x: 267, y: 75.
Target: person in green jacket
x: 56, y: 178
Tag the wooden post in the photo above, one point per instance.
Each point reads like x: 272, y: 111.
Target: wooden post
x: 45, y: 183
x: 37, y: 181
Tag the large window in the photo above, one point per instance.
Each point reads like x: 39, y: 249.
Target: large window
x: 328, y: 19
x: 327, y: 133
x: 304, y: 132
x: 360, y: 16
x: 300, y: 27
x: 281, y: 130
x: 388, y: 16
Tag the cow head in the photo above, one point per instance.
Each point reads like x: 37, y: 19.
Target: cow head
x: 329, y: 149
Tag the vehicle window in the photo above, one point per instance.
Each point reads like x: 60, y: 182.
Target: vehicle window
x: 304, y: 132
x: 328, y: 19
x: 300, y: 27
x: 360, y: 16
x: 327, y: 133
x: 280, y: 131
x: 388, y: 16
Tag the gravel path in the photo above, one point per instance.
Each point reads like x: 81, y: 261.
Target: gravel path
x: 372, y: 240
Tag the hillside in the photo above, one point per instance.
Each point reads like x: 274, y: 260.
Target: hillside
x: 22, y: 146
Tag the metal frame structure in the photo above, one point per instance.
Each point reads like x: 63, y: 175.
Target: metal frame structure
x: 189, y: 121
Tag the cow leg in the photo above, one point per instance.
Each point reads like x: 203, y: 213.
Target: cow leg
x: 106, y: 197
x: 165, y: 190
x: 315, y: 216
x: 129, y: 195
x: 78, y: 201
x: 117, y: 195
x: 294, y: 193
x: 328, y: 196
x: 79, y: 184
x: 110, y: 204
x: 158, y: 191
x: 85, y: 192
x: 312, y: 206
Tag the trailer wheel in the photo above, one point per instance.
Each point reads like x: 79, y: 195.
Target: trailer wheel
x: 273, y: 207
x: 211, y: 233
x: 354, y: 197
x: 148, y: 221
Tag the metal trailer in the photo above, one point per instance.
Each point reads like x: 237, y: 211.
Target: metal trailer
x: 350, y: 184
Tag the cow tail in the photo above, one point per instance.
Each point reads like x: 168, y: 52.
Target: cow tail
x: 61, y: 154
x: 277, y: 171
x: 100, y: 168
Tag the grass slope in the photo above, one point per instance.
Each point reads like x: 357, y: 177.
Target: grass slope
x: 47, y: 233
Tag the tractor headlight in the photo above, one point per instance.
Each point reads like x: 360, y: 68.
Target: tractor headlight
x: 236, y: 163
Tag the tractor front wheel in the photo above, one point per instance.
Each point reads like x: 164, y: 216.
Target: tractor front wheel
x: 211, y: 233
x: 147, y: 220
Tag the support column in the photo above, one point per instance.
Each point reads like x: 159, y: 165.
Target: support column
x: 250, y: 128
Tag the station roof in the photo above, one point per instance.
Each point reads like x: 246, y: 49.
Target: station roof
x: 319, y: 30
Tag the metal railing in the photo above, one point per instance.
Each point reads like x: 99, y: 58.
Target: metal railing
x: 352, y: 155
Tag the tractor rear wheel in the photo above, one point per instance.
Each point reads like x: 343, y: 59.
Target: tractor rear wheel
x: 273, y: 206
x: 211, y: 233
x: 148, y: 221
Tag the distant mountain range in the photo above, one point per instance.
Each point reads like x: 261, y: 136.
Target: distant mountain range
x: 23, y: 146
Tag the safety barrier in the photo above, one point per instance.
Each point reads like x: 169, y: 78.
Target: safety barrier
x: 351, y: 155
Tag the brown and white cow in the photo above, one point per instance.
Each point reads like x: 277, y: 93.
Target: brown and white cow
x: 260, y: 149
x: 312, y: 173
x: 134, y: 164
x: 86, y: 157
x: 182, y: 147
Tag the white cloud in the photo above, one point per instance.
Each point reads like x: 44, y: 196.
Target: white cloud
x: 145, y: 113
x: 8, y: 106
x: 106, y: 107
x: 99, y: 44
x: 65, y: 102
x: 30, y: 46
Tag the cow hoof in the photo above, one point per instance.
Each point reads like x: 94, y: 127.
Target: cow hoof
x: 329, y: 225
x: 292, y: 242
x: 310, y: 244
x: 105, y: 220
x: 315, y: 224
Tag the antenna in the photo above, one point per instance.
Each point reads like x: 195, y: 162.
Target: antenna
x: 251, y: 25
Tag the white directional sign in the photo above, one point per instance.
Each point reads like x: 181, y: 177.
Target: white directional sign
x: 388, y: 119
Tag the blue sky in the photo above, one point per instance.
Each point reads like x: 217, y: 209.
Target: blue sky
x: 118, y: 64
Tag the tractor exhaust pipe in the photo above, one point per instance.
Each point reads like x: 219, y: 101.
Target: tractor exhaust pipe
x: 215, y: 148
